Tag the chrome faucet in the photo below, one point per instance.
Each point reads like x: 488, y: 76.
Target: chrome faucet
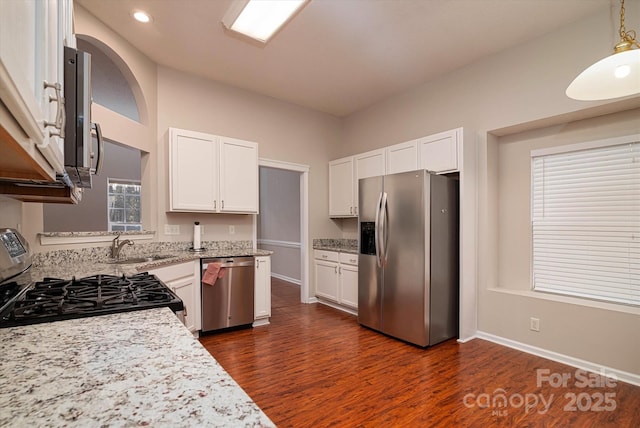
x: 116, y: 246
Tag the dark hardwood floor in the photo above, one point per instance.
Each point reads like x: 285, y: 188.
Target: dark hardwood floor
x: 315, y: 366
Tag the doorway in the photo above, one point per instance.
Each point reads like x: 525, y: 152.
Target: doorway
x: 283, y: 223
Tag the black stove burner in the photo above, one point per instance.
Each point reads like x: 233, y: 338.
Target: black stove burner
x: 56, y: 299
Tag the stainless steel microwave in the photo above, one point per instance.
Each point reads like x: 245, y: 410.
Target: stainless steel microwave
x: 78, y: 132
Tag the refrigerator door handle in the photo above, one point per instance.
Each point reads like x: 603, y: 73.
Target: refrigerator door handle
x: 384, y: 214
x: 377, y: 231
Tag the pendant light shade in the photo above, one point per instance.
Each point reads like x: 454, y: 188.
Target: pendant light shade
x: 615, y: 76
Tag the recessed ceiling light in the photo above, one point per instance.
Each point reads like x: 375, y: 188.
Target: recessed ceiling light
x: 260, y: 19
x: 141, y: 16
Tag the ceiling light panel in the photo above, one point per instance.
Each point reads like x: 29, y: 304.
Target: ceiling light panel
x: 261, y: 19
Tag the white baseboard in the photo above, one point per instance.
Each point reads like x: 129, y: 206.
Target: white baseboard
x: 261, y: 322
x: 466, y: 339
x: 623, y: 376
x: 286, y: 278
x: 339, y: 307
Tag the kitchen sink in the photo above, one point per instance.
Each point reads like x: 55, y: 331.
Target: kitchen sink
x: 132, y: 260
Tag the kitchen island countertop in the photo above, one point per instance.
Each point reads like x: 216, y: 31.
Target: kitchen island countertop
x: 128, y: 369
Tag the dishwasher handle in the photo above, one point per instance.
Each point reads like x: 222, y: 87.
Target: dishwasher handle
x: 229, y: 263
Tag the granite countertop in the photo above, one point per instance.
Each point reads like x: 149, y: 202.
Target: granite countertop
x: 140, y: 368
x: 340, y: 245
x: 71, y: 264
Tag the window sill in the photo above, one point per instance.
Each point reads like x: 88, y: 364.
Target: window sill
x: 627, y: 309
x: 58, y: 238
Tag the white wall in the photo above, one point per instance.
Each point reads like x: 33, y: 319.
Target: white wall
x: 513, y: 91
x: 606, y: 333
x: 140, y: 73
x: 283, y: 131
x: 168, y: 98
x: 91, y: 213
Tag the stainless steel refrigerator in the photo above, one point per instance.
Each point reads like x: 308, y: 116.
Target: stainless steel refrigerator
x: 408, y: 282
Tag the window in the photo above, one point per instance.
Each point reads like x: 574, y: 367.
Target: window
x: 586, y: 220
x: 124, y: 205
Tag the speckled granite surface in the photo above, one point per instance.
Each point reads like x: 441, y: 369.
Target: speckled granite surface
x: 341, y: 245
x: 95, y: 260
x: 99, y: 233
x: 139, y: 368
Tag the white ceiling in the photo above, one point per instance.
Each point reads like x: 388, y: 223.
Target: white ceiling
x: 338, y: 56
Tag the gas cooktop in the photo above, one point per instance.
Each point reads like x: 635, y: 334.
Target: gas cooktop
x: 55, y: 299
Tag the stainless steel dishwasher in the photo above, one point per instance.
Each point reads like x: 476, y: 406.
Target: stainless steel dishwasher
x: 229, y: 301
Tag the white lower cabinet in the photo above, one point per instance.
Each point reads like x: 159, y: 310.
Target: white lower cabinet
x: 262, y: 298
x: 348, y: 276
x: 336, y: 277
x: 327, y: 280
x: 184, y: 280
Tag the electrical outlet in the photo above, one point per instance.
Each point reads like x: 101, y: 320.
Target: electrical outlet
x: 172, y: 229
x: 534, y: 324
x: 232, y: 230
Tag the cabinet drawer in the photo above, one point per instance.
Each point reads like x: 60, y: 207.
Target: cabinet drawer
x: 349, y: 259
x: 173, y: 272
x: 330, y: 256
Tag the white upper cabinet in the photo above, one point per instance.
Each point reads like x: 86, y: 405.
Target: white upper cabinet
x: 402, y: 157
x: 193, y: 165
x: 369, y: 164
x: 341, y: 202
x: 32, y: 36
x: 238, y: 176
x: 439, y: 152
x: 212, y: 174
x: 344, y: 174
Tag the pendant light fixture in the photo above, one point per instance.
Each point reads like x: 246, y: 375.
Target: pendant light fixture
x: 617, y: 75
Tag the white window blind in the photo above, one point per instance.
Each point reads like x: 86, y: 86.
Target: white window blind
x: 586, y: 223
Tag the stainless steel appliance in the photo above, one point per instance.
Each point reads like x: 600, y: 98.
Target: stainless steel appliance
x: 78, y: 141
x: 408, y: 263
x: 229, y: 302
x: 15, y: 261
x: 24, y: 302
